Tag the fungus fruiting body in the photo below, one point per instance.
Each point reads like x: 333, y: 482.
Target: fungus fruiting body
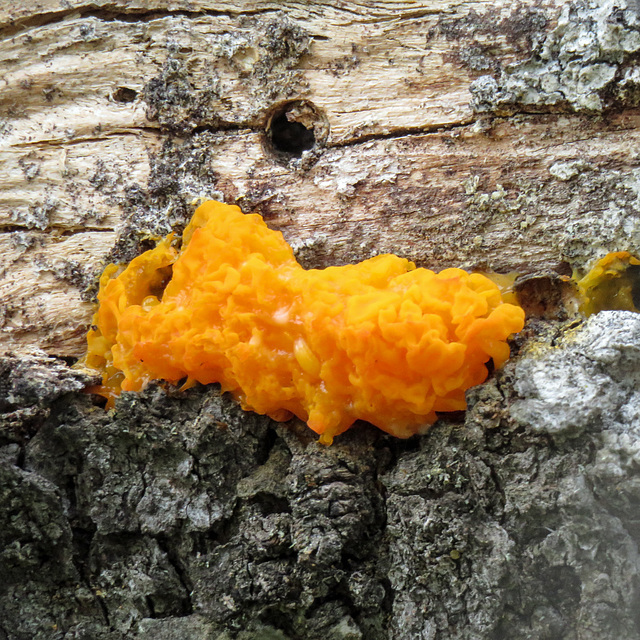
x: 381, y: 340
x: 612, y: 283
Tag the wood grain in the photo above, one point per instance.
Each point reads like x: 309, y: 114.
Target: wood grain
x: 115, y: 116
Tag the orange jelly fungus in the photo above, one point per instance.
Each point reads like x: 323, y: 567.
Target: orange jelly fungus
x: 379, y: 341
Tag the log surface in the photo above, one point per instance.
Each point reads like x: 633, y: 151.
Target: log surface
x: 453, y: 133
x: 494, y: 135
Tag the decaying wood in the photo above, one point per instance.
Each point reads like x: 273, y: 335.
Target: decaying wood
x: 489, y: 134
x: 116, y: 116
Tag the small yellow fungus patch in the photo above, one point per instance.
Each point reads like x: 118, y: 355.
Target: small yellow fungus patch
x: 379, y: 341
x: 613, y: 283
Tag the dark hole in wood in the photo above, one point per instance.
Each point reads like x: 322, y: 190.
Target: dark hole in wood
x: 290, y: 137
x: 124, y: 94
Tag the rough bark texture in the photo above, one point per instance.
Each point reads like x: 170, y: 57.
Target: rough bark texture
x: 481, y: 134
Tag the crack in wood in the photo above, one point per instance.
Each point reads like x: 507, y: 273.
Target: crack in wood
x: 402, y: 132
x: 13, y: 28
x: 60, y: 232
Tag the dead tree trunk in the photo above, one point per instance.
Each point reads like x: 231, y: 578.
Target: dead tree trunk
x: 487, y: 135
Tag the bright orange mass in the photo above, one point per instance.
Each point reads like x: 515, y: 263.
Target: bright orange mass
x: 379, y: 341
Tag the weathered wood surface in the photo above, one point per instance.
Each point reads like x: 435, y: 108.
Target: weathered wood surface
x: 115, y: 116
x: 485, y: 134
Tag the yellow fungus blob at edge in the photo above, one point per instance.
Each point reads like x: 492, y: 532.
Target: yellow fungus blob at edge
x: 610, y: 284
x: 379, y: 341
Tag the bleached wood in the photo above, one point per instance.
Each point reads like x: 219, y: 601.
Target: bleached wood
x: 409, y: 167
x: 40, y: 306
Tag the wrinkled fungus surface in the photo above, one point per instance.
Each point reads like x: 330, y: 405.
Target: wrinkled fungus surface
x: 379, y: 341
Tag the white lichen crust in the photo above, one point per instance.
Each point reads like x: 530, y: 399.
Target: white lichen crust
x: 574, y: 65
